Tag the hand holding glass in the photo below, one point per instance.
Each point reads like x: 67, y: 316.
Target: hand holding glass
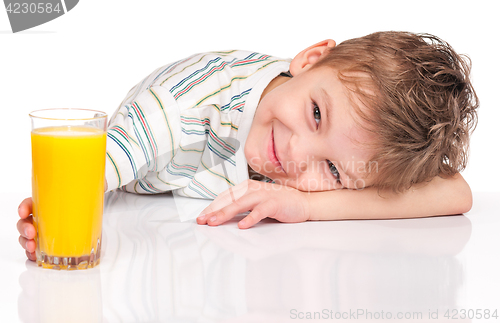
x: 68, y: 154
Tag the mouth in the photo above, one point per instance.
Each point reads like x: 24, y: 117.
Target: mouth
x: 271, y: 150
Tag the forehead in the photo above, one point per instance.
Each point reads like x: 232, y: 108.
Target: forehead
x: 341, y: 87
x: 343, y: 103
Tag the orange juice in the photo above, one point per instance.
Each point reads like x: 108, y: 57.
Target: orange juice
x: 68, y: 192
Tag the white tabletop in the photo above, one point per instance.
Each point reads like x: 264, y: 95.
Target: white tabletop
x: 158, y: 266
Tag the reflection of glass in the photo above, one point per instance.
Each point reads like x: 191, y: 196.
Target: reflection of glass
x: 68, y: 152
x: 60, y: 296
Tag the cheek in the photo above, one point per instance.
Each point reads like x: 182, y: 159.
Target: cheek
x: 250, y: 150
x: 253, y: 155
x: 310, y: 182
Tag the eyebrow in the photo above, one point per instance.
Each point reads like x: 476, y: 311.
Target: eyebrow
x: 327, y: 99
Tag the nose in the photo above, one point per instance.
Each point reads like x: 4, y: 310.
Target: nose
x: 301, y: 157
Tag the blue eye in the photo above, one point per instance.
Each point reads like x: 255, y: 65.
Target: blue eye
x: 333, y: 170
x: 316, y: 113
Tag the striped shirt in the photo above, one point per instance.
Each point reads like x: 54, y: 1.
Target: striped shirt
x: 183, y: 128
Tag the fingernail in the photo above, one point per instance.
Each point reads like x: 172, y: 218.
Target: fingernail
x: 201, y: 217
x: 212, y: 219
x: 26, y: 233
x: 243, y: 222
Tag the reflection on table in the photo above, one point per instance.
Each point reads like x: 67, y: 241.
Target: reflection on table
x: 158, y: 265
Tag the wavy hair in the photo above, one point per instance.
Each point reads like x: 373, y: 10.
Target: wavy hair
x: 418, y: 101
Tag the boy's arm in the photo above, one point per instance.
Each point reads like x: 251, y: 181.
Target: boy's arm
x: 440, y: 196
x: 141, y: 139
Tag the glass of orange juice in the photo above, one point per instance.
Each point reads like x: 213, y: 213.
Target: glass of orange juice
x: 68, y: 159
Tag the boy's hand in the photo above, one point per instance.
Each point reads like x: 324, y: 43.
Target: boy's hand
x: 264, y: 200
x: 27, y: 229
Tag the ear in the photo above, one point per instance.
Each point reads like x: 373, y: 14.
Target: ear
x: 306, y: 58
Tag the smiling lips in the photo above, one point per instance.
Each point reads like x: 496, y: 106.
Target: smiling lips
x: 271, y: 150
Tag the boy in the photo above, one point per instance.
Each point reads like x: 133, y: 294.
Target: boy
x: 376, y: 127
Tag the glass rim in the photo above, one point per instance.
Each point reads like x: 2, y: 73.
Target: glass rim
x: 102, y: 115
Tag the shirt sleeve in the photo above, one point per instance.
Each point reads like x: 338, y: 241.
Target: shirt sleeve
x: 143, y: 135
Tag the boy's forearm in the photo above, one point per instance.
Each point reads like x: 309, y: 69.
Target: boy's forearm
x: 437, y: 197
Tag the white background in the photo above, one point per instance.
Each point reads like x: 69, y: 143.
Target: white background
x: 92, y: 56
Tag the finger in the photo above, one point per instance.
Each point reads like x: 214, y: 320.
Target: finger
x: 228, y: 196
x: 31, y: 255
x: 26, y: 228
x: 259, y: 212
x: 223, y: 199
x: 28, y: 245
x: 215, y: 206
x: 25, y: 208
x: 203, y: 218
x: 243, y: 204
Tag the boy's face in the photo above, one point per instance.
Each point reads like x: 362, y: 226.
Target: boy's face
x: 304, y: 135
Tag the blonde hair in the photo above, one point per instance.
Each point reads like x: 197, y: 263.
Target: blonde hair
x: 420, y: 103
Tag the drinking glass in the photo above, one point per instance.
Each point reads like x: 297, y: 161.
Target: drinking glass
x: 68, y: 160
